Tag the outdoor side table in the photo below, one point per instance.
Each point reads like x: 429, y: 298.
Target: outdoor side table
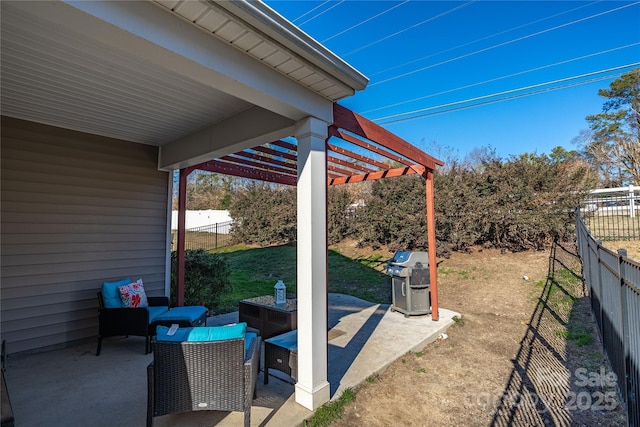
x: 281, y: 353
x: 271, y: 319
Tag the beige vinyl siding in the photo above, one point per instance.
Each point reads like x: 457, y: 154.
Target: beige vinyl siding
x: 76, y: 210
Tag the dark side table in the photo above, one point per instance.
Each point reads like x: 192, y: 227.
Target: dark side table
x: 269, y: 318
x: 281, y: 353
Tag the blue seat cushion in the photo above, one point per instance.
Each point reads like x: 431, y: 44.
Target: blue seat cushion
x: 203, y: 333
x: 182, y: 314
x: 111, y: 293
x: 288, y: 340
x: 156, y: 311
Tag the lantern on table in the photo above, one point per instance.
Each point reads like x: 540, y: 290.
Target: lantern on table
x: 280, y: 290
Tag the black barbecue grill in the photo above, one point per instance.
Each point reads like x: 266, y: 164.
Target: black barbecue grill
x: 410, y: 284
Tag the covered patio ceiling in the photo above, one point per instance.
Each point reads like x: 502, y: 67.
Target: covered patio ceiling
x: 357, y: 150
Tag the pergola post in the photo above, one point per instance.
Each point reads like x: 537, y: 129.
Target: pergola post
x: 182, y: 220
x: 431, y: 243
x: 312, y: 388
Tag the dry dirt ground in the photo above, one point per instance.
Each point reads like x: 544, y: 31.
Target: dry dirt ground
x: 632, y: 247
x: 524, y: 353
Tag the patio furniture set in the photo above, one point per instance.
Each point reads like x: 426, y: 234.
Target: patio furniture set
x: 197, y: 367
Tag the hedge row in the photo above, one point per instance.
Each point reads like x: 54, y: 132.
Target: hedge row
x: 519, y: 204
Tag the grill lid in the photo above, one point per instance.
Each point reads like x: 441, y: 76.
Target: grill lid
x: 403, y: 262
x: 409, y: 259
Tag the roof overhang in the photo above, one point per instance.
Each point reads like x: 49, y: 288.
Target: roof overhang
x: 257, y: 29
x: 162, y: 72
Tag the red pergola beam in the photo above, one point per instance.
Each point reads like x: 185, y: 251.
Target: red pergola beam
x: 285, y: 144
x: 355, y: 123
x: 333, y: 131
x: 247, y: 172
x: 267, y: 161
x: 260, y: 166
x: 376, y: 175
x: 346, y: 164
x: 338, y: 170
x: 357, y: 156
x: 276, y: 153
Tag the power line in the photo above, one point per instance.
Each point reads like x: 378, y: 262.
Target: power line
x: 410, y: 27
x: 321, y: 13
x: 308, y: 12
x: 500, y: 78
x: 364, y: 22
x: 484, y: 38
x: 479, y: 98
x: 495, y: 101
x: 503, y: 44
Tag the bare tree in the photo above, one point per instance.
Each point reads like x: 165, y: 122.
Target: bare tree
x: 614, y: 143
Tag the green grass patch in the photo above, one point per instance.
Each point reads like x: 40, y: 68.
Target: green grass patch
x: 580, y: 337
x: 376, y: 261
x: 372, y: 378
x: 254, y: 272
x: 331, y: 411
x: 462, y: 274
x: 457, y: 321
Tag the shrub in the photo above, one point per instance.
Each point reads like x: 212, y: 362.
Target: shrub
x: 338, y: 213
x: 394, y: 214
x: 206, y: 277
x: 264, y: 214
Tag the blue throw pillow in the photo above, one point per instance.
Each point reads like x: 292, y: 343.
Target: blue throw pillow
x: 203, y: 333
x: 111, y: 293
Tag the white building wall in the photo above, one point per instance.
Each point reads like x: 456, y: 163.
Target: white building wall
x: 201, y: 218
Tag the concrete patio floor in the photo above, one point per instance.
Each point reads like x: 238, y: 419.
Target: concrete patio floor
x: 73, y: 387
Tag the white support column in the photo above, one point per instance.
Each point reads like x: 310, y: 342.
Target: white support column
x: 312, y: 387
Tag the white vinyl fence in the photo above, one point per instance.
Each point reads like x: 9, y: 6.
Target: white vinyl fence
x: 613, y: 213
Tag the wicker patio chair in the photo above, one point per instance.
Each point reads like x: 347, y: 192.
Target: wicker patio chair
x: 197, y: 376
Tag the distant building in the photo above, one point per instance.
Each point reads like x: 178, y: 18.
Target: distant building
x: 201, y: 218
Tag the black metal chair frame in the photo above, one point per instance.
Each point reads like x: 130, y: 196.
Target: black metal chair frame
x: 114, y: 322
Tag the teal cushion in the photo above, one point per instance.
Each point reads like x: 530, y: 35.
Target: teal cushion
x: 288, y: 340
x: 203, y: 333
x: 189, y: 313
x: 111, y: 293
x: 155, y: 311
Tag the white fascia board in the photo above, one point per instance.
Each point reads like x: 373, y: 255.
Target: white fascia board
x: 248, y: 129
x: 269, y: 22
x: 156, y: 36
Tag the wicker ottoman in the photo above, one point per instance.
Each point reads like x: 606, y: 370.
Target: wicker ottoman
x: 281, y: 353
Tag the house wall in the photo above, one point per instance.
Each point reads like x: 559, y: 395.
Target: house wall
x: 75, y: 210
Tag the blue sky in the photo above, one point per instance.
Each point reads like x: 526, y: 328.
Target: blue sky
x: 427, y: 59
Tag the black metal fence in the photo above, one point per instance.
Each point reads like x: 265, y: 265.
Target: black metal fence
x: 207, y: 237
x: 613, y: 213
x: 613, y: 282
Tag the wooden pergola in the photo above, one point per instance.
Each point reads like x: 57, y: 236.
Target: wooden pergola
x: 358, y: 150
